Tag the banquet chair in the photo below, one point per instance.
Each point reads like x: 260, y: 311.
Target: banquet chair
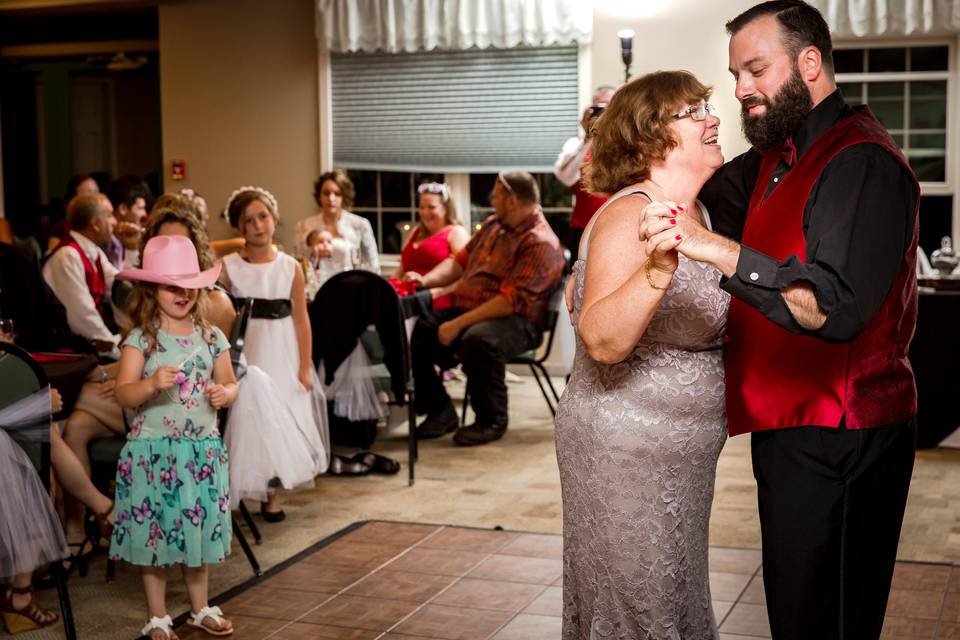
x: 343, y: 308
x: 20, y: 375
x: 532, y: 359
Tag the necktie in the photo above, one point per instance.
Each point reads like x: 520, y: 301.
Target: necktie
x: 789, y: 152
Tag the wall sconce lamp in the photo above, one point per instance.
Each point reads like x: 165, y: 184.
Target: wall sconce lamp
x: 626, y: 51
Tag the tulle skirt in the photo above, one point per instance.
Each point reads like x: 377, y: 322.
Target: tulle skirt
x: 353, y: 392
x: 267, y: 445
x: 30, y: 533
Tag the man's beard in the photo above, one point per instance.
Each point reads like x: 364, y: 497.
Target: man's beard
x: 784, y: 115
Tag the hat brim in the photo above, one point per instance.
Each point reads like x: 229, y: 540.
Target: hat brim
x: 200, y: 280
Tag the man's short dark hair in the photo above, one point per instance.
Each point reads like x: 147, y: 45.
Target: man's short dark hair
x: 523, y: 186
x: 125, y: 191
x: 801, y: 24
x: 83, y: 210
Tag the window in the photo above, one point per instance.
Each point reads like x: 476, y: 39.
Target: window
x: 907, y: 88
x: 388, y: 199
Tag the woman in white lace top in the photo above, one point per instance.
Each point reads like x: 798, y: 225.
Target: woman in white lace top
x: 352, y: 234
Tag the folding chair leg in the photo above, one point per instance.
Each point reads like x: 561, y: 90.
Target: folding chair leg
x: 246, y: 548
x: 543, y: 370
x: 66, y: 610
x: 111, y: 570
x: 250, y: 523
x: 411, y: 440
x: 466, y: 403
x: 543, y: 390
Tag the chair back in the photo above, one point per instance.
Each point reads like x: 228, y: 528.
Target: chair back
x: 238, y: 332
x: 20, y: 376
x: 344, y: 307
x: 552, y: 315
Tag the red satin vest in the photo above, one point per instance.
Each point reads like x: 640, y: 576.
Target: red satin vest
x: 96, y: 283
x: 777, y: 379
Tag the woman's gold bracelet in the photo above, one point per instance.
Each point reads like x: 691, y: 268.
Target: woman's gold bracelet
x: 646, y: 272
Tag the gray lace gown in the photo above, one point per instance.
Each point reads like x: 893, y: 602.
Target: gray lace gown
x: 637, y: 445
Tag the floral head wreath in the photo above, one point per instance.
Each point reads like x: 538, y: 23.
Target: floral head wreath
x: 271, y: 201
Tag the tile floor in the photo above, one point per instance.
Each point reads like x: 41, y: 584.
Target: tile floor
x: 397, y: 580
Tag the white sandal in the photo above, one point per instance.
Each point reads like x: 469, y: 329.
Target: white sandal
x: 214, y: 613
x: 165, y: 624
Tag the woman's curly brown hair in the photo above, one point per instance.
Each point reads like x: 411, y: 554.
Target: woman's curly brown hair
x: 634, y: 130
x: 340, y: 178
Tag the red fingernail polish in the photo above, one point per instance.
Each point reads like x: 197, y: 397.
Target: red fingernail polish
x: 673, y: 211
x: 678, y: 237
x: 673, y: 221
x: 681, y: 207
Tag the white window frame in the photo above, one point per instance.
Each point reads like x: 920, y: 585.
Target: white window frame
x: 949, y: 187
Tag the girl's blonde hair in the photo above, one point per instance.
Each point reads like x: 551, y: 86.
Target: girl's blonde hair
x: 145, y: 313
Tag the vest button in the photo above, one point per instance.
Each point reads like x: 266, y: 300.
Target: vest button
x: 754, y: 276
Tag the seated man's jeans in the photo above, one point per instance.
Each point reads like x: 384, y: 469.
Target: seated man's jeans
x: 483, y: 349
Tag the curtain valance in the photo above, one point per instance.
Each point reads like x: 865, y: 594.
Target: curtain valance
x: 393, y: 26
x: 884, y: 18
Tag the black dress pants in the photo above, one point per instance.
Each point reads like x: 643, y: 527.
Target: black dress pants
x: 831, y: 505
x: 483, y: 350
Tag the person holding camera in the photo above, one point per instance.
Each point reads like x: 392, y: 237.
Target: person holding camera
x: 567, y: 169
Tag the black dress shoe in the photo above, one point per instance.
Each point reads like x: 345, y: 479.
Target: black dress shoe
x: 438, y: 423
x: 475, y: 434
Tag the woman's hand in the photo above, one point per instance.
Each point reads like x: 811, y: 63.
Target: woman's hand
x: 305, y: 376
x: 164, y: 378
x: 413, y: 276
x: 661, y: 236
x: 568, y: 296
x: 56, y: 401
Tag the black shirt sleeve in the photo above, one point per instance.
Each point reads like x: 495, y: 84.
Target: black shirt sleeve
x: 858, y: 221
x: 727, y: 193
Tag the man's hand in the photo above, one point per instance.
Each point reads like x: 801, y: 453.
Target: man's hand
x: 129, y: 234
x: 106, y: 389
x: 448, y: 332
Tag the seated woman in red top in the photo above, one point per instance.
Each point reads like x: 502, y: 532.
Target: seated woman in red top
x: 438, y: 236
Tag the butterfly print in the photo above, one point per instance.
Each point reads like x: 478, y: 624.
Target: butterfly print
x: 144, y: 511
x: 195, y: 515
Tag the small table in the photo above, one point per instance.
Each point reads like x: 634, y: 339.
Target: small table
x: 935, y: 356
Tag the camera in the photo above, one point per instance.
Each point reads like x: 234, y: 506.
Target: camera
x: 596, y: 110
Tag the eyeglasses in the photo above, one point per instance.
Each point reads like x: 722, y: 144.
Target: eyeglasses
x: 506, y: 185
x: 435, y: 187
x: 698, y: 112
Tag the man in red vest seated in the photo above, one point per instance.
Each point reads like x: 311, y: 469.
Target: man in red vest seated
x: 823, y: 310
x: 80, y: 274
x: 573, y: 155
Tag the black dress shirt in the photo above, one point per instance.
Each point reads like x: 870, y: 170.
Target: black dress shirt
x: 858, y: 221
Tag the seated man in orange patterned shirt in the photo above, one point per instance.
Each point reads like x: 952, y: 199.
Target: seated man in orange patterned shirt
x: 508, y: 271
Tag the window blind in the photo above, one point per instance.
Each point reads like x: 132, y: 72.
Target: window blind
x: 473, y: 111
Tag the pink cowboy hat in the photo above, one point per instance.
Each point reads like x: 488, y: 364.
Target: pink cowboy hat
x: 172, y: 260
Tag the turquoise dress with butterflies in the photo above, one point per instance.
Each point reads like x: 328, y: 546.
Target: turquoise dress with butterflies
x: 172, y: 502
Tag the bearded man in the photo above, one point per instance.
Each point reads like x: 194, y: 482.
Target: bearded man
x: 823, y: 211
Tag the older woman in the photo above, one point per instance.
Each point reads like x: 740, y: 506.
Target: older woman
x: 352, y: 235
x: 438, y: 236
x: 641, y: 422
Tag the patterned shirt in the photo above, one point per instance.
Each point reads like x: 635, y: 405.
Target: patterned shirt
x: 523, y: 264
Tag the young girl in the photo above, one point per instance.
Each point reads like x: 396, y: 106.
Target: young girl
x: 278, y: 338
x: 172, y: 503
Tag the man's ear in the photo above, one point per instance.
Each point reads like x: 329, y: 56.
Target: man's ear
x: 810, y: 63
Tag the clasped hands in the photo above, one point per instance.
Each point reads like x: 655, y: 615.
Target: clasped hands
x: 668, y: 229
x: 166, y: 377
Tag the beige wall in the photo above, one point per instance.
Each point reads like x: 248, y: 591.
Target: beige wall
x: 672, y: 34
x: 238, y: 88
